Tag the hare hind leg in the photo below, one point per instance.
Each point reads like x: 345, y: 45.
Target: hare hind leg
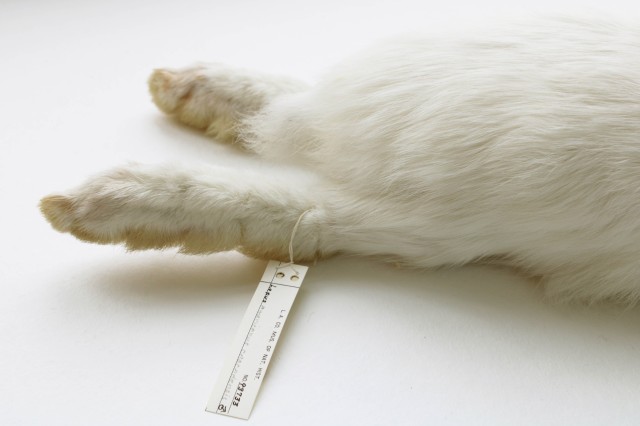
x: 199, y: 210
x: 214, y: 97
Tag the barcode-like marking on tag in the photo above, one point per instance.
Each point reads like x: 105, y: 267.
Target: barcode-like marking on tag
x: 252, y: 349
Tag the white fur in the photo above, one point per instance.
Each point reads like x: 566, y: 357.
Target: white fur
x: 521, y: 144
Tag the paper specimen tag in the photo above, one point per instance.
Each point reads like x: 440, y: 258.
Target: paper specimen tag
x: 252, y: 349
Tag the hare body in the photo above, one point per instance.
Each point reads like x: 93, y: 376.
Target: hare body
x: 520, y: 144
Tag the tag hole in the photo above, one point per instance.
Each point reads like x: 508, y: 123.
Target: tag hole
x: 280, y: 275
x: 294, y: 278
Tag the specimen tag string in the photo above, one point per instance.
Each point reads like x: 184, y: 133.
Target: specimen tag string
x: 293, y: 235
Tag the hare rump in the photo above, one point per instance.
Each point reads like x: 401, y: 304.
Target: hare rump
x: 521, y: 144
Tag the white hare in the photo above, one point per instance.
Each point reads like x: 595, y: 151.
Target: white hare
x: 521, y: 145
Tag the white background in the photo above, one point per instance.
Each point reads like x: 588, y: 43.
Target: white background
x: 92, y: 335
